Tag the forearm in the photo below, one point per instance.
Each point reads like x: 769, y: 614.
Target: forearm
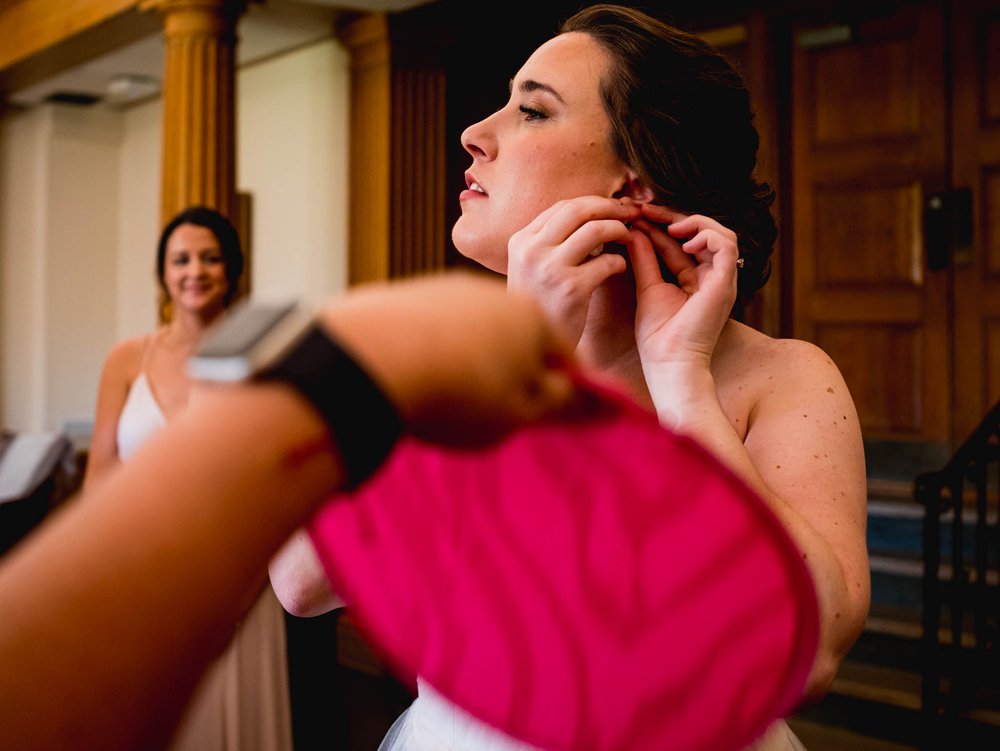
x: 114, y: 609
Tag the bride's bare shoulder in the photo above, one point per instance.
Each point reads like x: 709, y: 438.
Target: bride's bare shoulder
x: 750, y: 356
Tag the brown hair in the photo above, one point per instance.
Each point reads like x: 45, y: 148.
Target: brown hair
x: 681, y: 118
x: 229, y: 246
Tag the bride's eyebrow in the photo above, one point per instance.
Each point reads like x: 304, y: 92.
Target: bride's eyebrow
x: 527, y: 86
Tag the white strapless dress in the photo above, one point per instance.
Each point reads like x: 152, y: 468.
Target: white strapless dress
x: 433, y: 723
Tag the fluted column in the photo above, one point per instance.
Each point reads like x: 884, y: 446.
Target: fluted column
x: 367, y: 39
x: 199, y: 132
x: 397, y: 183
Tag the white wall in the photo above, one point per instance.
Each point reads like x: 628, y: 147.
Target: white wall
x: 82, y: 226
x: 138, y: 219
x: 292, y: 145
x: 57, y: 250
x: 79, y: 222
x: 22, y: 266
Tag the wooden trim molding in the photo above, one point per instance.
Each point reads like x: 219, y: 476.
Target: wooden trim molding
x: 397, y: 167
x: 416, y: 209
x: 367, y: 40
x: 28, y: 27
x: 42, y: 38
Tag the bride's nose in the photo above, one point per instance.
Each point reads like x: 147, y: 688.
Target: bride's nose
x: 479, y: 139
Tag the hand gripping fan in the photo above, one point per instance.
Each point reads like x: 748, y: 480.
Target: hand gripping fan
x: 592, y: 584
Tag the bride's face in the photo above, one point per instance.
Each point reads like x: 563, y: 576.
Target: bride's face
x: 549, y: 142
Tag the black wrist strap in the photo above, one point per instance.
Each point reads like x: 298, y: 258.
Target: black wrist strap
x: 364, y: 423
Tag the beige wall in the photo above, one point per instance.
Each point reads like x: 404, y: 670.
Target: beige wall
x: 292, y: 158
x: 22, y: 266
x: 79, y: 223
x: 138, y: 220
x: 80, y: 227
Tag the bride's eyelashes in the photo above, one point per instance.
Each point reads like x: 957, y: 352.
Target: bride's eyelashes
x: 530, y: 113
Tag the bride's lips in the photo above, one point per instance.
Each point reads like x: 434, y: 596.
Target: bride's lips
x: 473, y: 189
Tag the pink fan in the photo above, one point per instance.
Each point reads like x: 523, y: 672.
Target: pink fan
x: 593, y: 584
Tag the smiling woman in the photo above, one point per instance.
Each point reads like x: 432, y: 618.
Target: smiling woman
x: 199, y: 263
x: 145, y: 385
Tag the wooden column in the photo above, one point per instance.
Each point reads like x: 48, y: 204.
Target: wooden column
x: 367, y: 39
x: 397, y: 169
x: 199, y: 133
x: 417, y: 198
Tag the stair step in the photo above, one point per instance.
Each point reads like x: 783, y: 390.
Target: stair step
x: 895, y: 520
x: 894, y: 649
x: 890, y: 723
x: 863, y: 716
x: 897, y: 585
x: 896, y: 565
x: 878, y: 683
x: 913, y: 568
x: 820, y: 737
x: 875, y: 701
x: 902, y: 461
x: 892, y: 490
x: 903, y: 626
x: 896, y: 530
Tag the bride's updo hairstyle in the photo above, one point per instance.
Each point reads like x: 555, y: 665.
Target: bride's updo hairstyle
x: 681, y: 118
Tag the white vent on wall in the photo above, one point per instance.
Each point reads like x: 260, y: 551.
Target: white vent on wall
x: 128, y: 88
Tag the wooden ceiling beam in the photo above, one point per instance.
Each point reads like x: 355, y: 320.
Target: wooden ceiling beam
x: 42, y: 38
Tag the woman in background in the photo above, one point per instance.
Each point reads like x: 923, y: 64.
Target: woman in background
x: 144, y: 383
x: 243, y: 700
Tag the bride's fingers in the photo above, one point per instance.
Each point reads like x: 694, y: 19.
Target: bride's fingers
x: 692, y: 225
x: 667, y: 247
x: 645, y: 267
x: 711, y: 226
x: 662, y: 214
x: 711, y: 246
x: 606, y: 265
x: 680, y: 224
x: 568, y: 216
x: 589, y: 239
x: 684, y: 229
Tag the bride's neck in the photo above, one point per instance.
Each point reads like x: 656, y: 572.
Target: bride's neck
x: 608, y: 347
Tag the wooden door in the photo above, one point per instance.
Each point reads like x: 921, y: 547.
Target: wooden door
x: 976, y: 166
x: 869, y: 146
x: 749, y: 44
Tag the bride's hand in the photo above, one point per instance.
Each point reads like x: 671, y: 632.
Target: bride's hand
x: 558, y: 257
x: 680, y: 323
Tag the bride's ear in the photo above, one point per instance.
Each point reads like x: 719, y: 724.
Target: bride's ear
x: 635, y: 188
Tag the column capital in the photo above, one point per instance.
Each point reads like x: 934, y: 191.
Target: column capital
x: 191, y: 18
x: 233, y: 8
x: 199, y: 103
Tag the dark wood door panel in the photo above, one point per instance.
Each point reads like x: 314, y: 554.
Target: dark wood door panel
x: 890, y: 396
x: 869, y: 145
x: 866, y: 92
x: 866, y: 237
x: 976, y: 160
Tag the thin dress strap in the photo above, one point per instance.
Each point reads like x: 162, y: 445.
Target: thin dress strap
x: 141, y: 414
x: 148, y: 345
x: 147, y: 349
